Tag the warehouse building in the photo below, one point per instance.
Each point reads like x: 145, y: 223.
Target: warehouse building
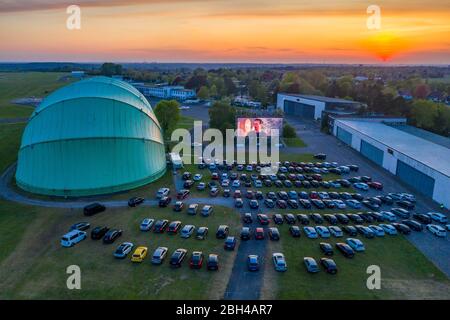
x: 419, y: 162
x: 312, y: 107
x: 95, y: 136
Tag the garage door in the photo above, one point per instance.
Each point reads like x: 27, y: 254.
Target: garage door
x: 372, y: 153
x: 298, y: 109
x: 344, y: 136
x: 416, y: 179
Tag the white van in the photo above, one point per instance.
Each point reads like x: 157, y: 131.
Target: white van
x: 72, y: 238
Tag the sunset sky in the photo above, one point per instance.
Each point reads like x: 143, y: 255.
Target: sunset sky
x: 281, y: 31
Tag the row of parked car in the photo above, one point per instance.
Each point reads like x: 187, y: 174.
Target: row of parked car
x: 78, y: 233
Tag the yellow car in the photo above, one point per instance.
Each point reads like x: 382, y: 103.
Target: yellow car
x: 139, y: 254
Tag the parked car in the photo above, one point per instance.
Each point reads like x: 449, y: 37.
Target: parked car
x: 342, y: 218
x: 326, y: 248
x: 139, y: 254
x: 72, y: 238
x: 159, y: 255
x: 355, y: 244
x: 207, y: 210
x: 182, y: 194
x: 274, y: 234
x: 99, y: 232
x: 123, y: 250
x: 361, y: 186
x: 388, y: 229
x: 311, y: 265
x: 178, y: 206
x: 173, y: 227
x: 400, y: 212
x: 164, y: 202
x: 303, y: 219
x: 438, y: 217
x: 335, y: 231
x: 222, y: 232
x: 111, y: 236
x: 329, y: 265
x: 405, y: 204
x: 135, y: 201
x: 212, y: 263
x: 196, y: 261
x: 402, y: 228
x: 253, y: 262
x: 310, y: 232
x: 377, y: 230
x: 177, y: 257
x: 81, y: 226
x: 263, y: 219
x: 414, y: 225
x: 294, y: 231
x: 316, y: 217
x: 389, y: 216
x: 162, y: 192
x: 323, y: 231
x: 146, y: 224
x: 160, y: 226
x: 422, y: 218
x: 365, y: 231
x: 350, y: 230
x: 230, y: 243
x: 187, y: 231
x: 279, y: 262
x: 93, y: 209
x: 437, y: 230
x: 259, y: 234
x: 345, y: 249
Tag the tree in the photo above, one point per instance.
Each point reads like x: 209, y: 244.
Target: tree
x: 168, y: 114
x: 289, y: 131
x: 109, y: 69
x: 213, y: 91
x: 424, y: 113
x: 222, y: 116
x: 203, y: 93
x: 421, y: 91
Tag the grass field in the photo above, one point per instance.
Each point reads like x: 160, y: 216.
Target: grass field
x: 23, y: 85
x: 10, y: 136
x: 294, y: 142
x: 405, y: 272
x: 34, y: 264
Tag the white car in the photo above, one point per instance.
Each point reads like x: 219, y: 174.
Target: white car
x: 279, y: 262
x: 438, y: 217
x: 340, y: 204
x: 162, y: 192
x: 336, y: 231
x: 437, y: 230
x: 198, y: 177
x: 361, y: 186
x: 146, y: 224
x: 72, y: 238
x: 236, y: 184
x: 323, y: 195
x: 379, y: 232
x: 323, y: 231
x: 225, y: 183
x: 187, y: 231
x: 356, y: 244
x: 389, y: 216
x: 388, y: 229
x: 310, y: 232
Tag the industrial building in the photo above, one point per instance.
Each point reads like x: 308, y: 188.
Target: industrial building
x: 415, y: 159
x: 312, y: 107
x: 167, y: 92
x: 95, y: 136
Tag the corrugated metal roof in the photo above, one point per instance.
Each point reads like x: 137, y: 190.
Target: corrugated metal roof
x: 435, y: 156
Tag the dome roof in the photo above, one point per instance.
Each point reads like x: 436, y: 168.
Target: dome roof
x: 98, y: 135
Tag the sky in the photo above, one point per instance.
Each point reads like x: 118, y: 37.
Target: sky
x: 259, y: 31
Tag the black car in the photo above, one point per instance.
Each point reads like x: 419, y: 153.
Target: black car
x: 345, y: 249
x: 213, y: 262
x: 350, y: 230
x: 135, y: 201
x: 400, y: 212
x: 329, y: 265
x: 222, y: 232
x: 345, y: 195
x: 274, y: 234
x: 303, y: 219
x: 263, y: 219
x: 371, y: 205
x: 112, y: 235
x: 293, y: 204
x: 178, y: 206
x: 269, y: 203
x: 82, y: 226
x: 320, y: 156
x: 423, y: 218
x: 177, y: 257
x: 281, y: 204
x: 326, y: 248
x: 329, y: 203
x: 188, y: 184
x: 247, y: 218
x: 316, y: 217
x: 402, y: 228
x: 386, y: 199
x: 290, y: 218
x: 277, y: 218
x: 186, y: 176
x: 366, y: 217
x: 355, y: 218
x: 295, y: 231
x: 93, y: 208
x: 164, y: 201
x: 357, y: 196
x: 254, y: 204
x: 259, y: 195
x: 182, y: 194
x: 366, y: 179
x: 405, y: 204
x: 173, y: 227
x: 318, y: 203
x: 334, y: 195
x: 98, y: 232
x: 245, y: 233
x: 414, y: 225
x: 160, y: 226
x: 332, y: 219
x: 342, y: 218
x: 306, y: 204
x: 353, y: 167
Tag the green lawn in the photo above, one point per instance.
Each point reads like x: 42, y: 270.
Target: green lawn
x: 294, y: 142
x: 405, y: 272
x: 26, y: 84
x: 186, y: 122
x: 10, y: 136
x: 36, y: 267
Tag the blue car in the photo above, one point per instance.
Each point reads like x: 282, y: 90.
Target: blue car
x: 311, y: 265
x: 230, y: 243
x: 123, y: 250
x: 253, y: 262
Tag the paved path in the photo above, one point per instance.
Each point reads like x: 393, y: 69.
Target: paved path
x: 13, y: 120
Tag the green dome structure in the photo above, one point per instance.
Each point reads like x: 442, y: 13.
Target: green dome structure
x: 95, y: 136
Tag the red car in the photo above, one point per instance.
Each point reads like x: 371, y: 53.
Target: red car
x: 375, y: 185
x: 259, y: 234
x: 215, y: 176
x: 314, y: 195
x: 182, y: 194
